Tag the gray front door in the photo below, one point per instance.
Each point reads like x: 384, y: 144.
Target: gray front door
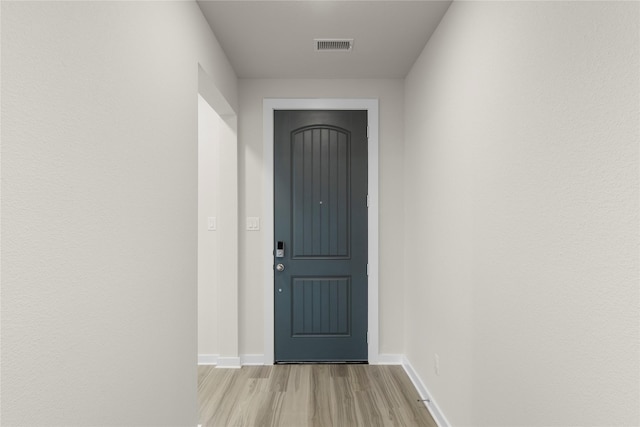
x: 320, y: 292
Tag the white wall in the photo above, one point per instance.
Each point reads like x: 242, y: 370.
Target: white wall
x: 521, y: 171
x: 390, y: 94
x: 99, y: 208
x: 217, y: 249
x: 209, y: 188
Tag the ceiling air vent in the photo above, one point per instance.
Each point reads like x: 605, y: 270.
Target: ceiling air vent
x: 333, y: 45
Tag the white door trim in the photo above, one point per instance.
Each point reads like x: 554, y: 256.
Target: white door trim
x: 269, y: 105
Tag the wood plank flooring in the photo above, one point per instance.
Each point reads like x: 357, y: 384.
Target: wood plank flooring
x: 309, y: 396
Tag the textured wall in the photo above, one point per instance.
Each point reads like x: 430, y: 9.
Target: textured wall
x: 99, y: 203
x: 251, y: 94
x: 521, y: 172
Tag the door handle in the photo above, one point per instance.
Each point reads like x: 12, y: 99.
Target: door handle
x: 280, y: 267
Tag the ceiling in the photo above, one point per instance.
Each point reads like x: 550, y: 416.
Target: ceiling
x: 275, y: 39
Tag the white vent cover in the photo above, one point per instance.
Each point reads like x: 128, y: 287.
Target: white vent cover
x: 333, y: 45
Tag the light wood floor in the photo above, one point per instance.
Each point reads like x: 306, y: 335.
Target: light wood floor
x: 309, y: 395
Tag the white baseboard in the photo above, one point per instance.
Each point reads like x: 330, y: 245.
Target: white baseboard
x: 429, y: 402
x: 390, y: 359
x: 208, y: 359
x: 229, y: 362
x: 252, y: 359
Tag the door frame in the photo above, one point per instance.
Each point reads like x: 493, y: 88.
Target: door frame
x: 268, y: 106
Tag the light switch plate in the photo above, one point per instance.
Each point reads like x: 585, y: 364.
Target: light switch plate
x: 253, y: 223
x: 212, y: 223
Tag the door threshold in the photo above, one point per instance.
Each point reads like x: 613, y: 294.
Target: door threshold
x: 325, y: 362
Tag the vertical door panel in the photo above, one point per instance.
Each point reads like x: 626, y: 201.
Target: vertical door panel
x: 320, y: 199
